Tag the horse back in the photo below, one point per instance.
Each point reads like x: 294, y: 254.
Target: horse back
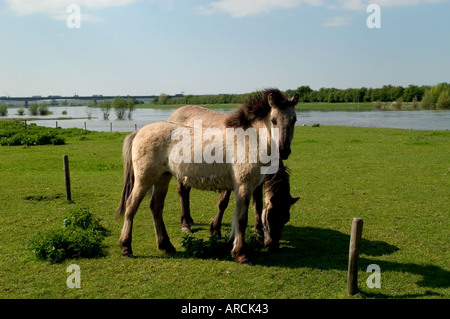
x: 153, y: 156
x: 187, y: 114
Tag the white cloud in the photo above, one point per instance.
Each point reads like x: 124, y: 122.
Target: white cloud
x: 389, y: 3
x: 56, y: 9
x: 243, y: 8
x: 336, y: 21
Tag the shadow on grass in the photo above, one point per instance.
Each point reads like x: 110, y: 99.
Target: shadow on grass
x: 320, y: 248
x: 326, y: 249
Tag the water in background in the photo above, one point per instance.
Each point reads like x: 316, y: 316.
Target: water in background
x: 77, y: 117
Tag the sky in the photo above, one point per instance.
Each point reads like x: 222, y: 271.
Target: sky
x: 149, y: 47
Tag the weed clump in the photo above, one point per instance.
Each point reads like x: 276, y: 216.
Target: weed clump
x: 219, y: 248
x: 13, y: 133
x: 81, y: 236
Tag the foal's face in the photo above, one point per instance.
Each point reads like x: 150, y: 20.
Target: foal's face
x: 274, y: 216
x: 283, y: 117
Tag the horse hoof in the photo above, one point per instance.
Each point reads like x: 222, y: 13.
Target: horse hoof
x: 216, y: 233
x: 127, y: 255
x: 214, y: 230
x: 243, y: 260
x: 186, y: 229
x: 168, y: 248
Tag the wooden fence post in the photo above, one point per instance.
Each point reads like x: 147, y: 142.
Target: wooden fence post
x: 353, y: 256
x: 67, y: 177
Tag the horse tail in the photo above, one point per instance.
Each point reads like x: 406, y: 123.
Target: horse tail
x: 128, y: 173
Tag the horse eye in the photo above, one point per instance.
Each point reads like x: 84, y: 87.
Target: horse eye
x: 274, y: 121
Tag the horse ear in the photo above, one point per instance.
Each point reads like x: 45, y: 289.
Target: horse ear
x: 294, y: 99
x: 271, y: 100
x: 294, y: 200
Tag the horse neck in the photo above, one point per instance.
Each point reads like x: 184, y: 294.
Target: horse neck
x: 277, y: 185
x: 264, y: 124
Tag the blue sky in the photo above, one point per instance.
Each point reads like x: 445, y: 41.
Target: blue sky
x: 146, y: 47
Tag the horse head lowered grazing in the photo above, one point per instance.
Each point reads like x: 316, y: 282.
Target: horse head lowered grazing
x: 278, y: 202
x: 161, y: 150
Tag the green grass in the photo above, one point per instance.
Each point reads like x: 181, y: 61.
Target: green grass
x: 396, y: 180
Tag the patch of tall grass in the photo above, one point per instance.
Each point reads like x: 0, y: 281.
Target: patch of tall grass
x: 81, y: 236
x: 14, y: 133
x: 3, y: 110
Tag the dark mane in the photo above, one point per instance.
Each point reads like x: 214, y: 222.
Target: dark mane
x: 278, y: 184
x: 256, y: 107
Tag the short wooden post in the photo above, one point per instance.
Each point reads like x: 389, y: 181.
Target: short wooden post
x: 67, y: 177
x: 353, y: 255
x: 110, y: 126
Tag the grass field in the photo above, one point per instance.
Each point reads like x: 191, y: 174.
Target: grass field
x: 396, y: 180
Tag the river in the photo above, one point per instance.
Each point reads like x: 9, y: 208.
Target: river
x: 77, y: 117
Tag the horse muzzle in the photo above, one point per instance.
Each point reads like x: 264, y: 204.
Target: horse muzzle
x: 284, y: 153
x: 271, y: 245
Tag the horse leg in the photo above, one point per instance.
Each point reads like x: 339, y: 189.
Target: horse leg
x: 240, y: 220
x: 258, y: 207
x: 186, y: 219
x: 216, y: 224
x: 157, y: 206
x: 137, y: 195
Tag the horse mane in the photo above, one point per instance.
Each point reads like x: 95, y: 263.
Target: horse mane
x: 277, y: 184
x: 256, y: 107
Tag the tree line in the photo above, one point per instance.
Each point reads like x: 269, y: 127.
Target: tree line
x: 431, y: 97
x: 165, y: 99
x: 122, y: 107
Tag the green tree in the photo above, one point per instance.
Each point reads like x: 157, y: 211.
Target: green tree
x: 3, y: 110
x: 105, y: 107
x: 304, y: 91
x: 33, y: 109
x: 43, y: 109
x: 361, y: 94
x: 90, y: 107
x: 120, y: 106
x: 438, y: 89
x: 413, y: 93
x: 427, y: 101
x: 443, y: 101
x: 163, y: 99
x: 396, y: 93
x: 131, y: 107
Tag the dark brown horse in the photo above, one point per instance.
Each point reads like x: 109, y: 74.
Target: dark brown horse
x: 276, y: 213
x: 269, y: 221
x: 189, y: 113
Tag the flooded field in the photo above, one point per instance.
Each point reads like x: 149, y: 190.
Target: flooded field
x: 77, y: 117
